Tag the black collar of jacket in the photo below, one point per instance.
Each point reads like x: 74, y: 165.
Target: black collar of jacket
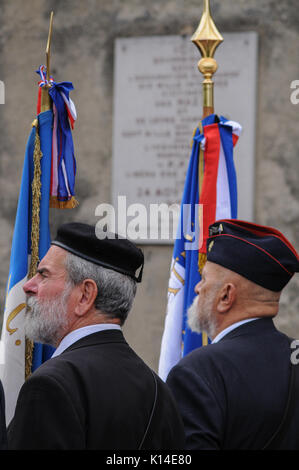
x: 100, y: 337
x: 262, y: 325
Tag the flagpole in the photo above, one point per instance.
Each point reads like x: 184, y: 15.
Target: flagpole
x: 45, y: 97
x: 207, y: 38
x: 36, y: 192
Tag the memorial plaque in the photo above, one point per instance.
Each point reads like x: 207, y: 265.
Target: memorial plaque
x: 157, y: 105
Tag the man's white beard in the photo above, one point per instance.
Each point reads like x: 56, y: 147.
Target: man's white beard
x: 46, y: 321
x: 200, y: 317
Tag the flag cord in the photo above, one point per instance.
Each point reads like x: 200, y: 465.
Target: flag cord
x: 36, y: 196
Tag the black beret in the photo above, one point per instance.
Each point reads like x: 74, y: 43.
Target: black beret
x: 261, y: 254
x: 110, y: 250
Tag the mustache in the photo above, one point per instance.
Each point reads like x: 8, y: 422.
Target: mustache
x: 192, y: 314
x: 30, y: 303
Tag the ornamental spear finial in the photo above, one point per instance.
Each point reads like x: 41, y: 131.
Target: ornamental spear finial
x: 207, y: 38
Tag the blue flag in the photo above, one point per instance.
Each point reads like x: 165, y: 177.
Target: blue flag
x: 210, y: 194
x: 13, y: 337
x: 56, y: 187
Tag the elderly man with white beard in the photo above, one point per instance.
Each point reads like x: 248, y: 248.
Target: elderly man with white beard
x: 95, y: 392
x: 240, y: 391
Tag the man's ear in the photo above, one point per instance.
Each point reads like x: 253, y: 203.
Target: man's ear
x: 87, y: 293
x: 226, y: 297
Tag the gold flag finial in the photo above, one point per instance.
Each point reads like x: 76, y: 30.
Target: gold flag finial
x: 45, y: 98
x: 207, y: 38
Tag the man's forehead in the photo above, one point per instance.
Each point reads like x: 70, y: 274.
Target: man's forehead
x: 208, y: 267
x: 54, y: 258
x: 218, y: 271
x: 212, y: 268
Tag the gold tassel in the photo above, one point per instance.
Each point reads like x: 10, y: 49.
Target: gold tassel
x: 36, y: 196
x: 29, y: 345
x: 56, y: 204
x: 204, y: 339
x: 202, y: 258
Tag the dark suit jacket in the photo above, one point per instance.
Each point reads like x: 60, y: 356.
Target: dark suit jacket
x: 98, y: 394
x: 232, y: 394
x: 3, y: 436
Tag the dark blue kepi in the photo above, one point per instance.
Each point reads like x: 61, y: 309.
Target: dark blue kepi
x: 261, y: 254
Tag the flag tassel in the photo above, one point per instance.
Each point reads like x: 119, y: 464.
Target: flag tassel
x: 36, y: 197
x: 202, y: 258
x: 56, y: 204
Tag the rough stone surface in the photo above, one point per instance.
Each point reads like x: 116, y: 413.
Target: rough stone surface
x: 82, y: 51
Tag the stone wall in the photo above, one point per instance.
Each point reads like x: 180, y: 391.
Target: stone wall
x: 82, y: 51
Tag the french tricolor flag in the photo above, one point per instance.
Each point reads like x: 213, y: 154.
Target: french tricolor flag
x: 210, y: 194
x: 63, y: 169
x: 218, y: 197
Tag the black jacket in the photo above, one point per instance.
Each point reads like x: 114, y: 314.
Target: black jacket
x: 98, y: 394
x: 232, y: 394
x: 3, y: 436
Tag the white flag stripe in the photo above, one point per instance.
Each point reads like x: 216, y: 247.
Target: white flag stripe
x: 71, y: 106
x: 171, y: 346
x: 236, y: 127
x: 223, y: 208
x: 54, y: 154
x: 12, y: 362
x: 65, y: 178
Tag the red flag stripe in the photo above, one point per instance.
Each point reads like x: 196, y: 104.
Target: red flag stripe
x: 208, y: 196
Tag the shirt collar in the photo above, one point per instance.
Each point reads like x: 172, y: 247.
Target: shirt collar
x: 75, y: 335
x: 230, y: 328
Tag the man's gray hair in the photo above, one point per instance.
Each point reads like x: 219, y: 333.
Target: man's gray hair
x: 116, y: 291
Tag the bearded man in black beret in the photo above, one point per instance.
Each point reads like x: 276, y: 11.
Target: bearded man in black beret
x: 241, y: 391
x: 95, y: 392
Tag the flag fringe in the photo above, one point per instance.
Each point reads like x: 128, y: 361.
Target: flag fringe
x: 56, y: 204
x: 36, y: 196
x: 202, y: 258
x: 29, y: 345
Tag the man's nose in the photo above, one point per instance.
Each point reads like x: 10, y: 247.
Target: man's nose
x: 30, y: 286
